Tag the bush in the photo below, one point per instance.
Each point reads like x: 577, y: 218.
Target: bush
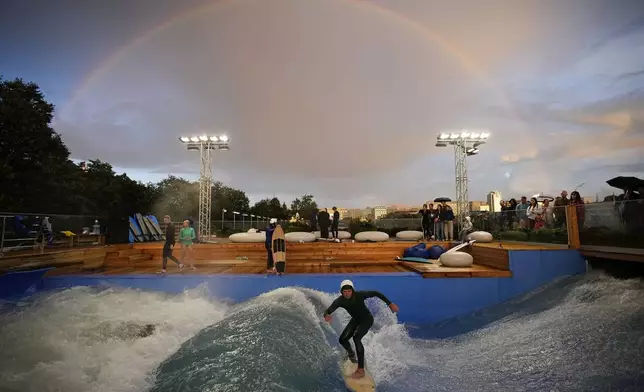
x: 355, y: 226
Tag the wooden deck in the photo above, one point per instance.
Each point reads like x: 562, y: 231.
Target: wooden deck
x: 491, y: 260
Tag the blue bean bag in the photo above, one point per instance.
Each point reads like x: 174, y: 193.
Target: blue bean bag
x: 417, y: 251
x: 435, y: 252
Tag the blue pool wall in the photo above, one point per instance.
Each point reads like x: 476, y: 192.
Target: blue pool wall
x: 420, y: 300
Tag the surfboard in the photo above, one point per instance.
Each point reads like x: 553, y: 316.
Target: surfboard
x: 461, y: 246
x: 151, y: 228
x: 279, y: 249
x: 144, y: 230
x: 364, y: 384
x: 414, y: 259
x: 136, y: 230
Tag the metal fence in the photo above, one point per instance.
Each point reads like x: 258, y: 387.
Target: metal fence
x: 33, y: 232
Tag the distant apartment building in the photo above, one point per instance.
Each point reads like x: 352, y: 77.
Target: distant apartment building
x: 494, y: 201
x: 479, y: 206
x: 379, y: 211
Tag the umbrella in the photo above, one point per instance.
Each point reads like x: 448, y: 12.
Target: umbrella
x: 442, y: 200
x: 541, y: 197
x: 624, y: 183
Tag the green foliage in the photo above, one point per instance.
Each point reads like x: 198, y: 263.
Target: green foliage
x: 306, y: 206
x: 270, y: 208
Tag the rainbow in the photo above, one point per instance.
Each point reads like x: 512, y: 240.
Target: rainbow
x: 365, y: 6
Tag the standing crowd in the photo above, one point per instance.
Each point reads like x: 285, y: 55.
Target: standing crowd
x: 437, y: 222
x: 535, y: 214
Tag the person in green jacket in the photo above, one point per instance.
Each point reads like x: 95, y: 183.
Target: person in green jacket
x: 186, y: 236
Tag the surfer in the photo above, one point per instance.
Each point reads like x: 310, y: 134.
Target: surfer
x: 269, y: 245
x: 361, y: 320
x: 169, y: 244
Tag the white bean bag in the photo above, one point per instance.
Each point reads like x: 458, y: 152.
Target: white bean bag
x: 343, y: 235
x: 481, y: 236
x: 456, y: 259
x: 299, y: 236
x: 247, y: 237
x: 409, y: 235
x: 375, y: 236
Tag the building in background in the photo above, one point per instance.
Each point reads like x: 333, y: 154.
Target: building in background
x: 479, y: 206
x: 494, y: 201
x: 379, y: 211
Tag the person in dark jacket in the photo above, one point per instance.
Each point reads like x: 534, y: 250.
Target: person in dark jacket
x: 427, y: 220
x: 336, y: 222
x: 269, y: 245
x: 361, y: 320
x: 324, y: 222
x: 169, y: 244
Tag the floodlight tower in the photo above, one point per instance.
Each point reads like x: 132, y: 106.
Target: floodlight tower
x: 466, y: 143
x: 205, y: 145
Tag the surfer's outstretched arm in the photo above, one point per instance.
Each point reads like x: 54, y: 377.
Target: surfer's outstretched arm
x: 369, y: 294
x: 334, y: 305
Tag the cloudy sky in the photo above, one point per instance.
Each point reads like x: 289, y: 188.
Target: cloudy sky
x: 343, y: 98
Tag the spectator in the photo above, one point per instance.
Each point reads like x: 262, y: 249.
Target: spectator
x: 448, y: 231
x: 548, y: 213
x: 438, y: 223
x: 576, y: 200
x: 511, y: 211
x: 534, y: 214
x: 560, y: 209
x: 521, y: 211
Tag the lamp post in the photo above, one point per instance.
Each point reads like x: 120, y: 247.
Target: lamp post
x: 466, y: 143
x: 205, y: 145
x: 243, y: 216
x: 235, y: 213
x: 223, y: 211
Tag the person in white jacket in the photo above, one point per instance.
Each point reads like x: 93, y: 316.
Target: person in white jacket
x: 533, y: 211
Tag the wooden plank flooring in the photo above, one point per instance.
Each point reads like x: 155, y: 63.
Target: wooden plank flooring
x: 436, y: 270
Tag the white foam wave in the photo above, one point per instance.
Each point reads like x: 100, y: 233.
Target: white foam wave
x: 69, y: 341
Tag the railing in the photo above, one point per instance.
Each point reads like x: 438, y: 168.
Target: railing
x: 612, y: 224
x: 31, y: 233
x: 607, y: 224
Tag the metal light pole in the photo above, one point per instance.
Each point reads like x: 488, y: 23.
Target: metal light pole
x: 465, y: 144
x: 205, y: 145
x: 235, y: 213
x: 243, y: 216
x: 223, y: 211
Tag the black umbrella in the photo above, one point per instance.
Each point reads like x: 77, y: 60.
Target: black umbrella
x: 442, y: 200
x: 626, y: 182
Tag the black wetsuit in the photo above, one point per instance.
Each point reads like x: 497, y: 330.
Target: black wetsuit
x: 361, y: 320
x: 335, y: 224
x: 167, y: 247
x: 269, y: 246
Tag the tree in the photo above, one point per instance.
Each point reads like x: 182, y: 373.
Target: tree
x: 305, y: 206
x: 34, y: 161
x: 229, y: 198
x: 177, y: 197
x: 271, y: 208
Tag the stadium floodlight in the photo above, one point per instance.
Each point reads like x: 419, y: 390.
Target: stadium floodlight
x: 205, y: 144
x: 466, y: 143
